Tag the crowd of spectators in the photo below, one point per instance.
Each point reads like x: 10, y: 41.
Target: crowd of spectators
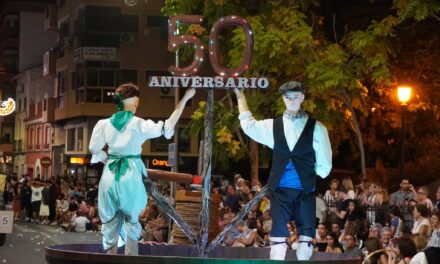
x: 352, y: 219
x: 61, y: 202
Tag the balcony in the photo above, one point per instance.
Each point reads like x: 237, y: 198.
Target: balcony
x: 6, y: 146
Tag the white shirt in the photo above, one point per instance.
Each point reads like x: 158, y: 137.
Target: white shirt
x: 320, y: 209
x: 262, y: 132
x: 418, y: 224
x: 80, y: 224
x: 36, y: 193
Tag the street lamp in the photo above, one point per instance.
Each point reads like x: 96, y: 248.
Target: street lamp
x: 403, y: 94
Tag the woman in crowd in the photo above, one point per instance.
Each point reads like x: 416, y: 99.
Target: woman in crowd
x: 435, y: 227
x: 16, y: 207
x: 369, y: 202
x: 422, y: 197
x: 44, y: 206
x: 294, y: 236
x: 421, y: 222
x: 347, y: 183
x: 333, y: 245
x: 382, y: 207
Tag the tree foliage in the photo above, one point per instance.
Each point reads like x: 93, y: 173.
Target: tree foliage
x: 348, y: 70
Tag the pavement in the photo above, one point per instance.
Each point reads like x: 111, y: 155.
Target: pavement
x: 27, y: 242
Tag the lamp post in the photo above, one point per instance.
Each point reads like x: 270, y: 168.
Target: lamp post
x: 403, y: 94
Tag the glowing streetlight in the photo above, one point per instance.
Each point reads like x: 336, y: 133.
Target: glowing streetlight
x: 404, y: 94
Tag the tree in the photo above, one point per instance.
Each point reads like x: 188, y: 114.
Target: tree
x: 343, y: 69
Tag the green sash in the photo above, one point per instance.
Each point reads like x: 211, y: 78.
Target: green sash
x: 119, y: 164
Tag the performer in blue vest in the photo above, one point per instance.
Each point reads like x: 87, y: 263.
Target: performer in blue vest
x: 301, y: 150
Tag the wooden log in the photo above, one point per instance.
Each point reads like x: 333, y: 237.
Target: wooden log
x: 170, y: 176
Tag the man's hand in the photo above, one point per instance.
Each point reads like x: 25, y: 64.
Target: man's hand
x: 241, y: 99
x: 238, y: 92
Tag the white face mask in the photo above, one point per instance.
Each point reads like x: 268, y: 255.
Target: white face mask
x: 292, y: 100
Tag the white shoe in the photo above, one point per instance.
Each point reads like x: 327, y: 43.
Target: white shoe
x: 305, y: 248
x: 278, y: 248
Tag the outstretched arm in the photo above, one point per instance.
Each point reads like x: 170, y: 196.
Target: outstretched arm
x: 174, y: 118
x: 260, y: 131
x: 241, y: 99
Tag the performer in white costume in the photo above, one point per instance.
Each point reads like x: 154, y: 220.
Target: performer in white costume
x: 301, y: 150
x: 122, y: 194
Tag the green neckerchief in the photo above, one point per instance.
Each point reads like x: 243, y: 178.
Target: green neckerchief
x: 120, y: 119
x: 119, y: 164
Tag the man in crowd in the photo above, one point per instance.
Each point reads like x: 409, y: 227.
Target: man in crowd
x: 232, y: 200
x: 404, y: 193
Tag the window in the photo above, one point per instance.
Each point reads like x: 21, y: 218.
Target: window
x: 38, y: 137
x: 25, y: 104
x: 47, y: 136
x: 159, y: 144
x: 71, y: 139
x: 64, y: 37
x: 60, y: 88
x: 94, y: 96
x: 31, y: 137
x: 128, y: 76
x: 92, y: 77
x: 80, y: 134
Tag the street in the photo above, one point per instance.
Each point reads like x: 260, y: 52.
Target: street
x: 27, y: 242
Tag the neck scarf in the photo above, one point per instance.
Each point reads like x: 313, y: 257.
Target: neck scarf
x: 120, y: 119
x: 300, y: 114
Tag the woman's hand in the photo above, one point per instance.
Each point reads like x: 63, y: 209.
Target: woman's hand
x: 189, y: 94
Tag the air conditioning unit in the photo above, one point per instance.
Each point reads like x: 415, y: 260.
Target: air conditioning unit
x: 49, y: 63
x: 50, y: 18
x: 127, y: 37
x: 166, y: 92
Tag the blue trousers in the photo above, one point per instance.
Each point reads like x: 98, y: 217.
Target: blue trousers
x: 287, y: 204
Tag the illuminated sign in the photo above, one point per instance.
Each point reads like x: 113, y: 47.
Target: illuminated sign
x: 7, y: 107
x: 162, y: 163
x: 76, y: 160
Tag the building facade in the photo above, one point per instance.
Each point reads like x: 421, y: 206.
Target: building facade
x: 102, y: 44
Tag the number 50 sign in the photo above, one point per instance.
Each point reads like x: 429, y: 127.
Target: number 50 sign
x: 175, y: 41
